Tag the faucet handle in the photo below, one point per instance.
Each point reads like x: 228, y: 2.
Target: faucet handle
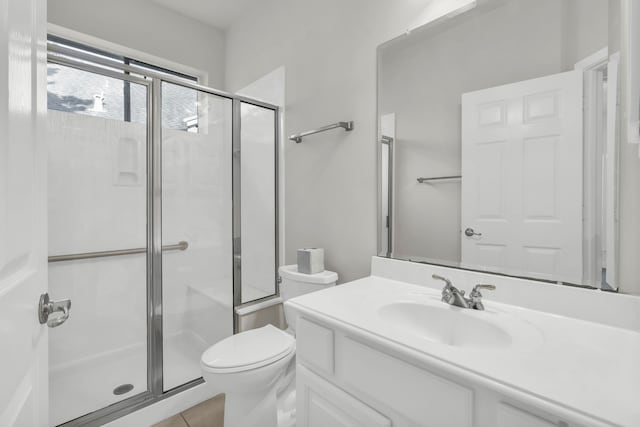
x: 444, y: 279
x: 475, y: 296
x: 484, y: 286
x: 475, y: 293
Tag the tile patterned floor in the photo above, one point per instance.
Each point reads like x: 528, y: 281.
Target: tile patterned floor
x: 209, y: 413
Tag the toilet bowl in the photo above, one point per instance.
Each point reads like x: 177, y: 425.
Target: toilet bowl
x: 256, y: 368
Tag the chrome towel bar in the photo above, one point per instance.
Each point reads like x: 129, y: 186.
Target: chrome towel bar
x: 181, y: 246
x: 438, y: 178
x: 348, y: 126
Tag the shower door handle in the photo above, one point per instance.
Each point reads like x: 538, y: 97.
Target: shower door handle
x: 46, y: 307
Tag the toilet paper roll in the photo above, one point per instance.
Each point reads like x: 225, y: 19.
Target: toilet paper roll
x: 310, y: 260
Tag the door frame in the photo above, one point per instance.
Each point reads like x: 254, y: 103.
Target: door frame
x: 595, y: 131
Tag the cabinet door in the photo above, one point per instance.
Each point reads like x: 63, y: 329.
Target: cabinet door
x: 321, y: 404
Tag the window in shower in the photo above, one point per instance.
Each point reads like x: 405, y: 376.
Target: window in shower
x: 72, y: 90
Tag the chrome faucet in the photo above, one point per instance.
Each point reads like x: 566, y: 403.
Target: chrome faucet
x: 453, y: 296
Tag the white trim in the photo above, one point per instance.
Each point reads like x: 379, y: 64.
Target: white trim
x: 593, y: 61
x: 121, y: 50
x: 594, y: 126
x: 611, y: 181
x: 600, y: 136
x: 251, y: 307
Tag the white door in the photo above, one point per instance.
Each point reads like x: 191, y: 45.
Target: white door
x: 23, y: 254
x: 522, y: 178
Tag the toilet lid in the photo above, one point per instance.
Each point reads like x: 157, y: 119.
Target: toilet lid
x: 251, y: 349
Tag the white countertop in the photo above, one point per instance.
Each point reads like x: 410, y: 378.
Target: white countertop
x: 586, y: 367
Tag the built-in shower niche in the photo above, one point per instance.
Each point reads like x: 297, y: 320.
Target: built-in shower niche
x: 127, y: 158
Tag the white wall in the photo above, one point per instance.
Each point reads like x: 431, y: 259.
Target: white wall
x: 329, y: 51
x: 147, y: 27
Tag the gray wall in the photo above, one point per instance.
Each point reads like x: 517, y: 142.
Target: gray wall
x: 585, y: 29
x: 329, y: 51
x: 423, y: 77
x: 147, y: 27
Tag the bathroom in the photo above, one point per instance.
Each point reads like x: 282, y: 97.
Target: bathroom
x: 466, y: 169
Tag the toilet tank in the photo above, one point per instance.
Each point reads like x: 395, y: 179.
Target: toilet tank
x: 294, y: 284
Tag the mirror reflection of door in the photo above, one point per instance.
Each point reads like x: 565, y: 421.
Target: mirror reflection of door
x: 522, y: 177
x: 387, y: 135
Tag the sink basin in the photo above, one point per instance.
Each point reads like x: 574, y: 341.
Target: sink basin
x: 448, y: 325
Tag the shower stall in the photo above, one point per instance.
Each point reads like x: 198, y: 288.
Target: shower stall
x: 158, y: 188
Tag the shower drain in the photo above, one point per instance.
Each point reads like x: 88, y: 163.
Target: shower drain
x: 122, y: 389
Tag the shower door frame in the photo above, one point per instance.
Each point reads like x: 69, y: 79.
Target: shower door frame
x: 153, y: 80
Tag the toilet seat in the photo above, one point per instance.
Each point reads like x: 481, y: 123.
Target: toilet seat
x: 248, y: 350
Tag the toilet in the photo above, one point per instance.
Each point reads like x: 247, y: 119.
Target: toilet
x: 256, y: 369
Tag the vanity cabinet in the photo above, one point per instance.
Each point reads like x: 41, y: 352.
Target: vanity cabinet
x: 320, y: 403
x: 345, y: 380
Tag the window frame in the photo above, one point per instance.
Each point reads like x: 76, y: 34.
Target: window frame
x: 125, y: 60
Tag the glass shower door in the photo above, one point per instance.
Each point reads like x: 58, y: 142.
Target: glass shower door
x: 145, y: 221
x: 97, y: 213
x: 197, y: 283
x: 258, y: 195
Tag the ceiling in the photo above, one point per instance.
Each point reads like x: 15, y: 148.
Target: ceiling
x: 218, y: 13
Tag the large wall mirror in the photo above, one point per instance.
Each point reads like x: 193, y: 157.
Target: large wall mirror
x: 499, y: 136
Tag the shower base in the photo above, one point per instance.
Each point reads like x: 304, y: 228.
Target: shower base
x: 83, y: 387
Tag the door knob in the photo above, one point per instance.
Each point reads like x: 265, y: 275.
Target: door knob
x: 46, y: 307
x: 470, y: 232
